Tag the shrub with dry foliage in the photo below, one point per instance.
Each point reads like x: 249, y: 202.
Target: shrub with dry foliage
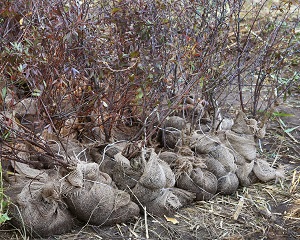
x: 99, y: 72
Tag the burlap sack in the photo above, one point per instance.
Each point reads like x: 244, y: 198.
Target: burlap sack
x: 244, y: 173
x: 176, y: 123
x: 265, y: 172
x: 106, y: 162
x: 154, y: 188
x: 81, y: 172
x: 227, y: 181
x: 215, y: 166
x: 165, y: 204
x: 170, y: 176
x: 183, y: 165
x: 207, y: 181
x: 157, y: 174
x: 240, y: 125
x: 204, y: 143
x: 200, y: 181
x: 185, y: 182
x: 185, y: 197
x: 168, y: 157
x: 172, y: 138
x: 25, y: 170
x: 39, y: 208
x: 224, y: 156
x: 174, y: 132
x: 242, y: 144
x: 100, y: 204
x: 96, y: 201
x: 228, y: 184
x: 126, y: 173
x: 142, y: 194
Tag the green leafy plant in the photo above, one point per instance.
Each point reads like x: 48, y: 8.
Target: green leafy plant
x: 3, y: 201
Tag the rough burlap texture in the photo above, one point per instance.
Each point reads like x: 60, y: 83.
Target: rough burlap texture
x: 143, y: 194
x: 228, y: 184
x: 126, y: 173
x: 172, y: 138
x: 224, y: 156
x: 245, y: 173
x: 241, y: 137
x: 100, y: 204
x: 185, y: 197
x: 176, y: 123
x: 106, y: 162
x: 83, y: 171
x: 220, y: 161
x: 232, y: 151
x: 241, y: 143
x: 215, y: 166
x: 265, y: 172
x: 97, y: 201
x: 157, y: 173
x: 168, y: 157
x: 175, y: 131
x: 204, y: 143
x: 166, y: 203
x: 199, y: 181
x: 207, y: 144
x: 25, y: 170
x: 38, y: 206
x: 155, y: 188
x: 230, y: 155
x: 240, y: 125
x: 192, y: 176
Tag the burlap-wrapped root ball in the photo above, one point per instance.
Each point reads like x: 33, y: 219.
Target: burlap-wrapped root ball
x: 265, y: 172
x: 155, y: 188
x: 39, y: 208
x: 126, y: 173
x: 101, y: 204
x: 157, y: 175
x: 168, y: 157
x: 227, y: 180
x: 241, y: 143
x: 219, y: 161
x: 168, y: 201
x: 199, y: 181
x: 97, y: 201
x: 143, y: 194
x: 105, y: 159
x: 204, y: 143
x: 228, y: 184
x: 175, y: 131
x: 240, y: 125
x: 244, y: 171
x: 240, y: 138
